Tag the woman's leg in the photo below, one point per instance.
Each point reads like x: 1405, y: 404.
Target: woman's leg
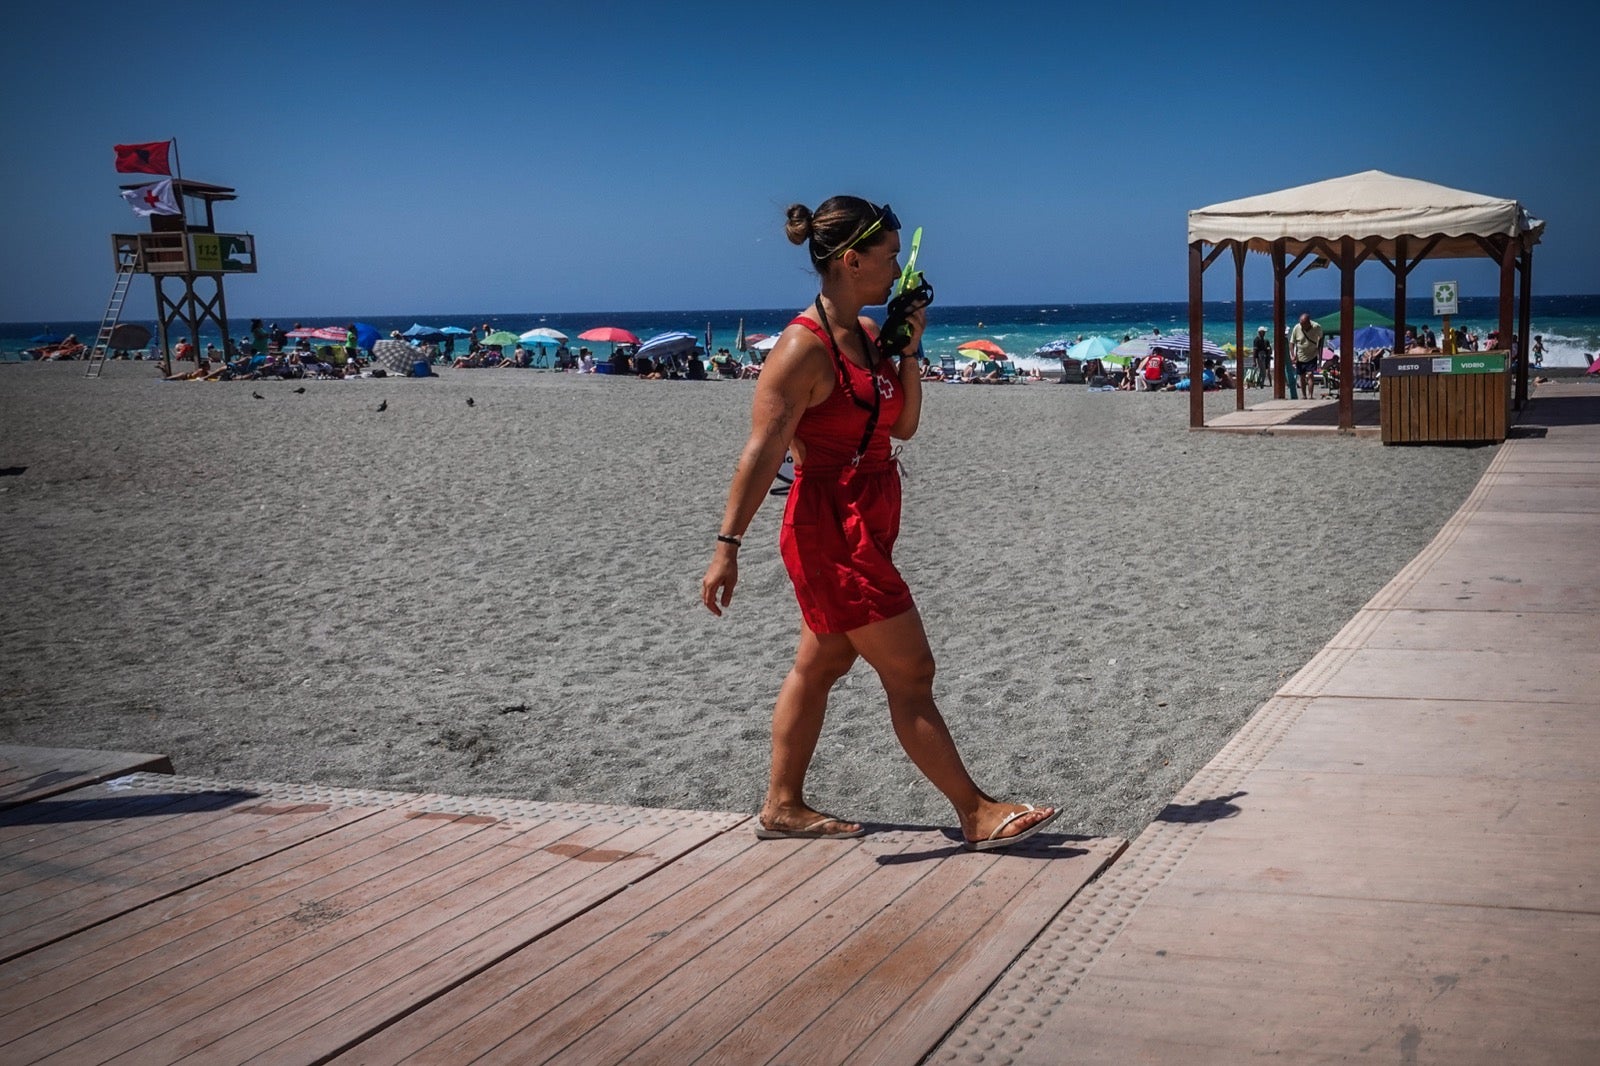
x: 797, y: 718
x: 897, y: 649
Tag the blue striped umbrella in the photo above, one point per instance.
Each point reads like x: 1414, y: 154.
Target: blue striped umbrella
x: 1177, y: 344
x: 668, y: 344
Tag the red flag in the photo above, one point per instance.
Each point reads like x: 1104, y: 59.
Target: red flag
x: 143, y: 158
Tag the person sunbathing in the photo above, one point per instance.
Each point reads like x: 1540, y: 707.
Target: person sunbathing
x: 201, y: 370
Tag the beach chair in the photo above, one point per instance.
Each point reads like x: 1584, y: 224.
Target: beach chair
x: 947, y: 367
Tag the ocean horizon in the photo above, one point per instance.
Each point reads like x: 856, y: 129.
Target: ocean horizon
x: 1568, y: 324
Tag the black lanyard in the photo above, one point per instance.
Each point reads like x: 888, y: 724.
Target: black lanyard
x: 844, y: 376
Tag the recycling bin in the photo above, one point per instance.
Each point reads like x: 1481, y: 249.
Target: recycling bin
x: 1437, y: 399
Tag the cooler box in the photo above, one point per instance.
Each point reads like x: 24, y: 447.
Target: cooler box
x: 1436, y: 399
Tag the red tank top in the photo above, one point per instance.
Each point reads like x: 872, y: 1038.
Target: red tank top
x: 832, y: 430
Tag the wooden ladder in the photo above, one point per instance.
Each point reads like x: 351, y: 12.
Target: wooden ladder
x: 113, y: 315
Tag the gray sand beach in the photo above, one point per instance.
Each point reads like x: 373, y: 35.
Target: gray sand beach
x: 502, y: 599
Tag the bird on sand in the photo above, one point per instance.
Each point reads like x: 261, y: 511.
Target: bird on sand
x: 471, y: 402
x: 384, y: 406
x: 302, y: 388
x: 258, y: 396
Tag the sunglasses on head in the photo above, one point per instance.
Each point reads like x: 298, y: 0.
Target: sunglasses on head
x: 886, y: 220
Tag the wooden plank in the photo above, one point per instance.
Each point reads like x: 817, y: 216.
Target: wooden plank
x: 696, y: 901
x: 477, y: 924
x: 906, y: 977
x: 173, y: 930
x: 635, y: 1004
x: 93, y: 893
x: 1235, y: 977
x: 28, y: 774
x: 785, y: 985
x: 60, y: 827
x: 245, y: 952
x: 938, y: 1005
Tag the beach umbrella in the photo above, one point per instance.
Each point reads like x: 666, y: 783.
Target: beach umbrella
x: 455, y: 331
x: 1178, y: 345
x: 983, y: 346
x: 1364, y: 316
x: 708, y: 337
x: 980, y: 354
x: 754, y: 339
x: 128, y: 335
x: 765, y: 344
x: 396, y: 356
x: 1092, y: 348
x: 500, y: 338
x: 548, y: 334
x: 608, y: 334
x: 1374, y: 337
x: 420, y: 332
x: 320, y: 333
x: 740, y: 343
x: 48, y: 337
x: 1135, y: 348
x: 366, y: 335
x: 539, y: 338
x: 668, y: 344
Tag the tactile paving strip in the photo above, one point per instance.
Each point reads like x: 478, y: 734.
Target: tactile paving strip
x: 998, y: 1028
x: 1402, y: 583
x: 492, y: 806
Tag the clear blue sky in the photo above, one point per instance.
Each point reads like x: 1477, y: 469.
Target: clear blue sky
x: 408, y: 157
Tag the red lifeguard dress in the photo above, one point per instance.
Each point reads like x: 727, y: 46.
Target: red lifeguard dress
x: 843, y: 514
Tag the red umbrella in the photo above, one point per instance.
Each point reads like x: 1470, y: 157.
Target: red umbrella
x: 323, y: 333
x: 611, y: 334
x: 983, y: 346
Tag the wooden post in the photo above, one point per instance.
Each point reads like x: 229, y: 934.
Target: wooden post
x: 1402, y: 269
x: 1508, y: 292
x: 1525, y: 323
x: 1279, y: 297
x: 1238, y: 325
x: 1196, y: 325
x: 1347, y: 332
x: 161, y: 329
x: 1197, y: 321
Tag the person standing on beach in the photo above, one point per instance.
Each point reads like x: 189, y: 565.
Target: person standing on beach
x: 826, y: 393
x: 1305, y: 346
x: 1262, y: 357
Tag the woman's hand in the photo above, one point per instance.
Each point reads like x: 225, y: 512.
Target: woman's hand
x: 716, y: 588
x: 918, y: 322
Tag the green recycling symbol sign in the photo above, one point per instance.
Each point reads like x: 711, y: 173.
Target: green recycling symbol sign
x: 1444, y: 297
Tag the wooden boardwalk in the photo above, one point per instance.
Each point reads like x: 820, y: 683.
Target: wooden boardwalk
x: 157, y: 919
x: 27, y: 774
x: 1306, y: 418
x: 1398, y: 858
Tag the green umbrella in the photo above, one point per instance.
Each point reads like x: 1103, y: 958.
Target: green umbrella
x: 1365, y: 316
x: 501, y: 338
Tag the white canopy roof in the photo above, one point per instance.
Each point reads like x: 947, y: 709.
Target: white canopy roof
x: 1369, y: 204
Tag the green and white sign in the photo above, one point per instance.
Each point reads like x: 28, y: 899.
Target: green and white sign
x: 1410, y: 365
x: 1444, y: 297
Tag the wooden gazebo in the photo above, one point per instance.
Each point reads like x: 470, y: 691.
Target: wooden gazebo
x: 1397, y: 221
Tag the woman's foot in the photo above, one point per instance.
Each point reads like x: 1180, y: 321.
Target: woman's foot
x: 803, y: 823
x: 1003, y: 824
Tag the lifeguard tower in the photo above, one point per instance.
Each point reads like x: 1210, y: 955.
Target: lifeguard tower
x: 183, y: 249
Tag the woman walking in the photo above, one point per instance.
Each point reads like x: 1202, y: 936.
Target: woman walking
x: 827, y: 394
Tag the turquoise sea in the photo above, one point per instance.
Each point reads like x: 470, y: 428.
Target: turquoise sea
x: 1570, y: 325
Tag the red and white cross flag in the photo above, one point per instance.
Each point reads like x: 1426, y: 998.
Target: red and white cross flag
x: 157, y: 198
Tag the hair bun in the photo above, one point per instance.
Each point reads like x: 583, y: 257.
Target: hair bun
x: 799, y: 225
